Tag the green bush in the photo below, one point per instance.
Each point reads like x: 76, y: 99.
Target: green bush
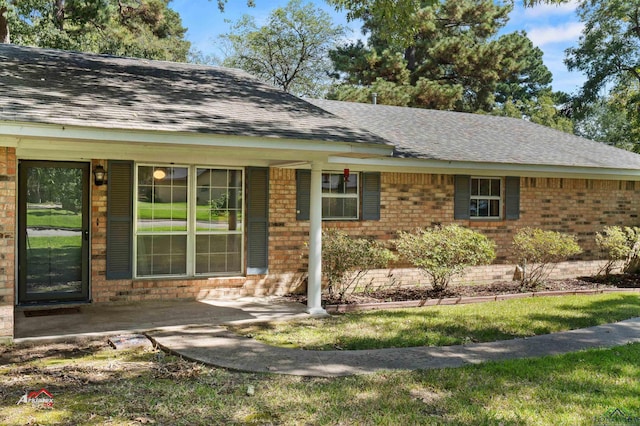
x: 444, y: 251
x: 538, y: 251
x: 620, y: 244
x: 345, y: 260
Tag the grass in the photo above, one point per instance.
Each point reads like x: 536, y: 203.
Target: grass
x: 93, y: 384
x: 446, y: 325
x: 54, y: 218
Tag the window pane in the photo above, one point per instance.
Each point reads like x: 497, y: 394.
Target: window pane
x: 483, y: 208
x: 475, y: 186
x: 474, y: 208
x: 218, y: 200
x: 162, y: 199
x: 484, y: 186
x: 494, y: 208
x: 339, y: 208
x: 218, y: 253
x: 495, y: 187
x: 351, y: 186
x: 161, y: 255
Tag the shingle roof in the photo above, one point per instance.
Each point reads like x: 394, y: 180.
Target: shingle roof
x: 58, y: 87
x: 454, y: 136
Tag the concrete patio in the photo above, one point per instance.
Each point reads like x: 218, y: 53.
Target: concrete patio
x: 136, y: 317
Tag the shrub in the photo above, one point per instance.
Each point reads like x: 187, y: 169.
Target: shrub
x: 620, y: 244
x: 345, y: 260
x: 444, y: 251
x: 538, y: 251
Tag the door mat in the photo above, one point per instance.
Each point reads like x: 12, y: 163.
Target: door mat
x: 47, y: 312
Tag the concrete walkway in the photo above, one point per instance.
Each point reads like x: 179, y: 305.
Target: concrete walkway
x: 195, y: 330
x: 216, y: 346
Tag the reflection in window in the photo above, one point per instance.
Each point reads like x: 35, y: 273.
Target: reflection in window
x: 161, y: 221
x: 218, y: 221
x: 168, y: 226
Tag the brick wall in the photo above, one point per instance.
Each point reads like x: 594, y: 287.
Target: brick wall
x: 7, y: 240
x: 577, y: 206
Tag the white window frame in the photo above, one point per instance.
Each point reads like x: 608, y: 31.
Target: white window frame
x: 191, y: 222
x: 500, y: 197
x: 356, y: 196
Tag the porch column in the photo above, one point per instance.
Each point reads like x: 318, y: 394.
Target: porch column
x: 314, y: 284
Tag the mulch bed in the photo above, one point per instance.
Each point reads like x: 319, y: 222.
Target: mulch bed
x: 399, y: 294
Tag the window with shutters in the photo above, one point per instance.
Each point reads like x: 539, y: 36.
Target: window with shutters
x: 188, y: 221
x: 340, y: 196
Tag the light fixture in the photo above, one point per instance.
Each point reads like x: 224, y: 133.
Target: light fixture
x: 99, y: 175
x: 159, y: 174
x: 346, y: 175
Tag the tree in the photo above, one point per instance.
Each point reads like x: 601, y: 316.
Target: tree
x: 542, y: 110
x: 400, y: 22
x: 139, y: 28
x: 608, y: 53
x: 454, y: 60
x: 289, y: 51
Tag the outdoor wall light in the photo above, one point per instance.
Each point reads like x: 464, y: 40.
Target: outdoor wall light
x: 99, y: 175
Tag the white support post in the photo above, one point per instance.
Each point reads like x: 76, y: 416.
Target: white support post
x: 314, y: 284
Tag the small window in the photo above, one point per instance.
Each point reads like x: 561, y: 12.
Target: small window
x: 340, y: 196
x: 486, y: 198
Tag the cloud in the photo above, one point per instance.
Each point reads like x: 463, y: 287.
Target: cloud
x: 567, y: 32
x: 545, y: 10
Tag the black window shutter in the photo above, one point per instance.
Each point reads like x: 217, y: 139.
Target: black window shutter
x: 303, y: 194
x: 512, y: 197
x: 462, y: 197
x: 119, y: 220
x: 371, y: 196
x: 257, y: 220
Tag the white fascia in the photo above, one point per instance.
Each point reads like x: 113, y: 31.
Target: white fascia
x: 21, y: 130
x: 412, y: 165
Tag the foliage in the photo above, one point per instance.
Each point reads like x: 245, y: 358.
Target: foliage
x: 620, y: 244
x: 541, y: 110
x: 454, y: 61
x: 608, y: 53
x: 444, y: 251
x: 345, y: 260
x: 609, y: 120
x: 138, y: 28
x: 289, y: 50
x: 538, y: 251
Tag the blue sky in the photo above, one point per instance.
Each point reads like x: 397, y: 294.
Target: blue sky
x: 552, y: 28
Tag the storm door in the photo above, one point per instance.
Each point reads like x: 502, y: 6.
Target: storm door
x: 53, y: 232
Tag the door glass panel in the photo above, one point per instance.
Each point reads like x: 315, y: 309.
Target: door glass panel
x: 54, y: 234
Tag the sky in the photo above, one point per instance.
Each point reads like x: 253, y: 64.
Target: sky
x: 551, y: 28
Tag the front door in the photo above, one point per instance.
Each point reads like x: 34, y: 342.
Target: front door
x: 53, y: 232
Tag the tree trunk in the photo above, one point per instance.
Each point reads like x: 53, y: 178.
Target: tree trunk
x: 4, y: 26
x: 60, y: 14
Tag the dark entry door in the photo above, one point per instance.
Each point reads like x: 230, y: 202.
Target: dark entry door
x: 53, y: 231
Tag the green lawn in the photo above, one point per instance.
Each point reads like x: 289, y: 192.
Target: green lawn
x: 53, y: 218
x: 98, y: 385
x: 176, y: 211
x: 447, y: 325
